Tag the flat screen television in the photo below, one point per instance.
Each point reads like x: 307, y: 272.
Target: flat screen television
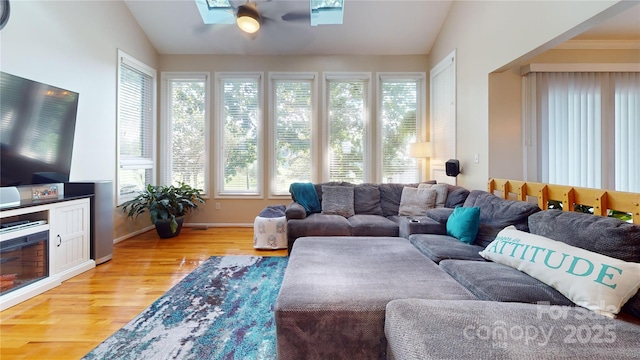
x: 37, y: 127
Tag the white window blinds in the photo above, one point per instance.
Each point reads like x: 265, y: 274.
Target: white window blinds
x: 347, y: 121
x: 573, y: 129
x: 399, y: 105
x: 136, y: 129
x: 585, y: 128
x: 292, y: 125
x: 239, y: 143
x: 184, y: 151
x: 627, y: 131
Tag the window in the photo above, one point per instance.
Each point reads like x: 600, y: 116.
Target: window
x: 347, y: 122
x: 184, y: 130
x: 239, y: 118
x: 292, y: 106
x: 400, y: 112
x: 581, y: 129
x: 136, y: 126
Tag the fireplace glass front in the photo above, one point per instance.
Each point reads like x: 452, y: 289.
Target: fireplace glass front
x: 23, y: 261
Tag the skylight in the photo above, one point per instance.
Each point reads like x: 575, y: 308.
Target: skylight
x: 216, y: 11
x: 327, y: 12
x: 213, y: 4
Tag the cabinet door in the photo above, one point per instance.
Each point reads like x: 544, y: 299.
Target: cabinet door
x: 70, y: 237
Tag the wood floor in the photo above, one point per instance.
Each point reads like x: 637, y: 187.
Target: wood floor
x: 69, y: 321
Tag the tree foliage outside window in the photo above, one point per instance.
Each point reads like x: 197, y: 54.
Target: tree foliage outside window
x: 188, y: 126
x: 293, y: 120
x: 241, y: 119
x: 346, y: 114
x: 399, y: 128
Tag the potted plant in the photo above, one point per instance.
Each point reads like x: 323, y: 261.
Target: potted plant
x: 167, y: 206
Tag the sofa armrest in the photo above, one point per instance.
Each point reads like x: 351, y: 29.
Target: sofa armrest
x: 295, y: 211
x: 441, y: 215
x: 419, y: 225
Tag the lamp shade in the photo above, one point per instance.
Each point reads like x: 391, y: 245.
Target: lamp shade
x: 420, y: 150
x: 248, y: 19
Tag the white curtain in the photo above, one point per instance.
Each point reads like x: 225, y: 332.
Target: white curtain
x: 586, y: 127
x: 627, y: 131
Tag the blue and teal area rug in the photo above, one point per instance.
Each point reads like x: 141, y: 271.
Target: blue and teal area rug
x: 222, y: 310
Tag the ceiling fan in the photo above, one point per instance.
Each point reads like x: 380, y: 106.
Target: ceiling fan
x: 248, y: 18
x: 249, y: 15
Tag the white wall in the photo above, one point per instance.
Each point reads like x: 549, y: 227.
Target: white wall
x: 73, y: 45
x: 490, y: 35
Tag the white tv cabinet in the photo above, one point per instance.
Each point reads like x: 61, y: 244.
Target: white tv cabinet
x: 67, y: 221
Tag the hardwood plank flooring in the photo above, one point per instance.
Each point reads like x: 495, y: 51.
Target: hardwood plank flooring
x: 69, y: 321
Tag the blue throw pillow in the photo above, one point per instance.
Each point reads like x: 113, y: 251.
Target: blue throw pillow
x: 463, y: 224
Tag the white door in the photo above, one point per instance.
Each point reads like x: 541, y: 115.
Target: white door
x: 443, y: 117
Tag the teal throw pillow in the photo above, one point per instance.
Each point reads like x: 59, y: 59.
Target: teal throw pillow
x: 463, y: 224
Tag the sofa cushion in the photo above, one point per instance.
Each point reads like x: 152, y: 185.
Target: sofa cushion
x: 372, y: 225
x: 318, y: 225
x: 633, y: 306
x: 591, y: 280
x: 329, y: 183
x: 441, y: 192
x: 419, y: 329
x: 366, y: 199
x: 491, y: 281
x: 604, y: 235
x: 416, y: 201
x: 337, y: 200
x: 456, y: 196
x: 497, y: 213
x: 440, y: 215
x: 440, y: 247
x: 463, y: 223
x: 390, y: 195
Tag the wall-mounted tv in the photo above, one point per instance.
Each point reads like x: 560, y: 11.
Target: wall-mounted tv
x: 37, y: 127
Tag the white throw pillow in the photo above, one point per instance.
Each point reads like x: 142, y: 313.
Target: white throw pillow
x: 597, y: 282
x: 441, y: 192
x: 416, y: 202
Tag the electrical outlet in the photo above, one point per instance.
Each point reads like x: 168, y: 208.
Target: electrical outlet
x: 217, y: 206
x: 476, y: 158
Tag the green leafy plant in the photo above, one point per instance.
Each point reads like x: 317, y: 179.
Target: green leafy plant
x: 164, y: 203
x: 620, y: 215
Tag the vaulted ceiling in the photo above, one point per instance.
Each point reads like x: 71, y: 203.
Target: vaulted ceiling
x: 370, y: 27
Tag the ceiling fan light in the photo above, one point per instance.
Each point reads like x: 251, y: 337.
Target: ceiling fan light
x: 248, y: 19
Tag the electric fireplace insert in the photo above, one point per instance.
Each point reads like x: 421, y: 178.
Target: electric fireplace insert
x: 23, y: 261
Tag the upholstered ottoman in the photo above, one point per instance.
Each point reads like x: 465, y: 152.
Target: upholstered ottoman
x: 335, y: 289
x: 270, y: 233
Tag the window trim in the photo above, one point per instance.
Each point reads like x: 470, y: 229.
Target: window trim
x: 165, y: 126
x: 220, y: 77
x: 421, y: 133
x: 368, y: 155
x: 138, y: 163
x: 275, y: 76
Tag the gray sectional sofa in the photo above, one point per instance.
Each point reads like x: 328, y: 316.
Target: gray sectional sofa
x: 428, y: 295
x: 375, y: 214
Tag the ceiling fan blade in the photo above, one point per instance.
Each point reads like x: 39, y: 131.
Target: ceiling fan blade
x: 297, y: 16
